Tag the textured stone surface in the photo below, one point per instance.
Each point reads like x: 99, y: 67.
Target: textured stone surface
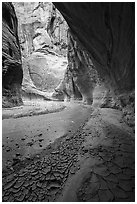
x: 80, y: 77
x: 41, y: 27
x: 43, y: 39
x: 11, y: 58
x: 107, y: 31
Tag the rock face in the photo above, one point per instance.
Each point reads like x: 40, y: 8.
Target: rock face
x: 57, y: 29
x: 32, y: 17
x: 80, y: 77
x: 107, y: 31
x: 43, y: 39
x: 12, y: 73
x: 41, y: 26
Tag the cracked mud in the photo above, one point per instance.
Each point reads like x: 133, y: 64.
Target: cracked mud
x: 93, y: 163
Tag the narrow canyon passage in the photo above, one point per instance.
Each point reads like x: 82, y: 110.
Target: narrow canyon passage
x: 68, y: 102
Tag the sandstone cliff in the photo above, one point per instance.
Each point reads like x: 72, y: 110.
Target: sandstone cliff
x: 107, y: 31
x: 80, y: 77
x: 12, y: 73
x: 43, y: 40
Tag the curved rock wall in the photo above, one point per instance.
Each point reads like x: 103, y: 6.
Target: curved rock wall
x: 41, y: 26
x: 12, y: 73
x: 107, y: 31
x: 80, y: 77
x: 57, y: 29
x: 41, y: 43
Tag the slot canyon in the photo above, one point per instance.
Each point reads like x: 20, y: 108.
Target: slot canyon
x: 68, y: 102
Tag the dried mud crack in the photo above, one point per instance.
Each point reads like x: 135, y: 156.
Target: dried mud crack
x: 94, y: 164
x: 43, y: 177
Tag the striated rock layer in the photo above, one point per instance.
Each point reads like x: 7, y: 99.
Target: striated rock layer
x: 107, y: 31
x: 43, y: 38
x: 41, y: 28
x: 12, y: 73
x: 80, y: 77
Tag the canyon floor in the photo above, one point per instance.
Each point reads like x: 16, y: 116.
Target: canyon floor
x: 71, y: 152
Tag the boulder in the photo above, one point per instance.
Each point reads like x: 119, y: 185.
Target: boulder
x: 39, y: 71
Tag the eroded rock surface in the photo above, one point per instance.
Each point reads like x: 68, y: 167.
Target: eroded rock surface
x: 41, y: 28
x: 12, y: 73
x: 43, y: 39
x: 107, y: 31
x: 80, y: 77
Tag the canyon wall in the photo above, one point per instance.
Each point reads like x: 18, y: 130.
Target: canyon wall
x: 12, y: 73
x: 102, y: 33
x: 43, y: 39
x: 107, y: 31
x: 80, y: 77
x: 41, y: 26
